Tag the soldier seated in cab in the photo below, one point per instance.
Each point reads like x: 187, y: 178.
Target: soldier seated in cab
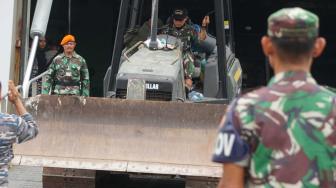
x: 180, y: 27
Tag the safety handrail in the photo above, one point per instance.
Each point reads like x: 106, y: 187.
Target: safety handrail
x: 6, y: 95
x: 19, y: 87
x: 25, y: 85
x: 36, y: 78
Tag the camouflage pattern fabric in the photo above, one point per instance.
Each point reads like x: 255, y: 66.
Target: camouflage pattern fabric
x: 186, y: 34
x: 293, y: 22
x: 188, y: 64
x: 67, y: 76
x: 34, y: 73
x: 13, y: 129
x: 289, y: 128
x: 188, y: 37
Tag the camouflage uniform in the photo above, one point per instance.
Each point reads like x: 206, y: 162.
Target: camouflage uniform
x: 13, y: 129
x: 284, y: 133
x: 187, y: 34
x: 189, y: 37
x: 67, y: 76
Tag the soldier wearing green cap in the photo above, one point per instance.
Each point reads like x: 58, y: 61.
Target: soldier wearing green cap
x: 179, y: 26
x: 284, y: 134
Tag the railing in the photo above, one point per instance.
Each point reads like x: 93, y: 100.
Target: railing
x: 33, y: 83
x: 26, y: 82
x: 25, y: 85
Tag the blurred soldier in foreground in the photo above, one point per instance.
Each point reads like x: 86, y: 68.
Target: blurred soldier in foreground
x: 68, y: 73
x: 284, y: 133
x: 13, y: 128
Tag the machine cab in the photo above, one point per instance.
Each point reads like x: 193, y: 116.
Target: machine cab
x: 163, y: 65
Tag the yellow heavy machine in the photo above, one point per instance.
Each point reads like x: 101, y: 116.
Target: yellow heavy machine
x: 149, y: 135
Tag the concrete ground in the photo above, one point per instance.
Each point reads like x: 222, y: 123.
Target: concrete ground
x: 25, y: 177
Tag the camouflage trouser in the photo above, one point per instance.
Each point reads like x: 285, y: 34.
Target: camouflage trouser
x: 188, y: 65
x: 4, y: 176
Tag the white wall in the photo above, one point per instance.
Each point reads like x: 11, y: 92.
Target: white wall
x: 7, y: 38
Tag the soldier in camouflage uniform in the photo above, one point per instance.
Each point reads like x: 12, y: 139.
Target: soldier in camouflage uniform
x: 68, y: 73
x: 13, y: 129
x: 179, y: 27
x: 284, y: 133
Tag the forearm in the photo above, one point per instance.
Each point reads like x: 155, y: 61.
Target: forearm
x: 49, y: 79
x: 223, y: 184
x: 47, y: 85
x: 85, y: 80
x: 28, y: 128
x: 233, y: 176
x: 202, y: 35
x: 85, y: 88
x: 20, y: 109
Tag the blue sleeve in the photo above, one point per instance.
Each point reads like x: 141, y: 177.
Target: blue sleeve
x: 229, y: 146
x: 27, y: 128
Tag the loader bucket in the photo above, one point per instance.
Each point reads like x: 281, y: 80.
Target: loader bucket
x: 122, y: 135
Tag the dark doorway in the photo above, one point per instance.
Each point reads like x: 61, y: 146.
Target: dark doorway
x: 93, y: 23
x: 250, y: 20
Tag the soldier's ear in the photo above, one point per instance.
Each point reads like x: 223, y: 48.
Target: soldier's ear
x: 268, y: 49
x: 267, y: 46
x: 319, y: 46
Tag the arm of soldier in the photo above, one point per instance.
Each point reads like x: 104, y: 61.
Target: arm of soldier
x: 14, y: 98
x: 47, y: 85
x: 203, y: 33
x: 233, y: 178
x: 231, y: 150
x: 85, y: 80
x: 27, y: 128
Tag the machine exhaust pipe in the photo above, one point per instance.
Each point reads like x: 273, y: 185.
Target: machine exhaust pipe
x: 38, y: 29
x: 153, y: 44
x: 41, y: 17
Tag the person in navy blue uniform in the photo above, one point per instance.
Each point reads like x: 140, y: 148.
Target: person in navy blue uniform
x: 13, y: 129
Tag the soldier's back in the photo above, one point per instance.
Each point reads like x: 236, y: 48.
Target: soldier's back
x: 292, y: 121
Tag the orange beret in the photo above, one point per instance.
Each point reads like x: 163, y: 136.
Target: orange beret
x: 68, y: 38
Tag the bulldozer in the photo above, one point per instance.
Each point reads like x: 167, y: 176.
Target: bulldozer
x: 145, y: 124
x: 153, y: 69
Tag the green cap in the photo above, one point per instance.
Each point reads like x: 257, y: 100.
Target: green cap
x: 293, y: 22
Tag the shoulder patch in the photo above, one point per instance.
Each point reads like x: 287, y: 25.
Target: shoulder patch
x: 229, y: 146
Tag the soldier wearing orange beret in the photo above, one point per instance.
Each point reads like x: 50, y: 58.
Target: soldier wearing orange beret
x: 68, y: 73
